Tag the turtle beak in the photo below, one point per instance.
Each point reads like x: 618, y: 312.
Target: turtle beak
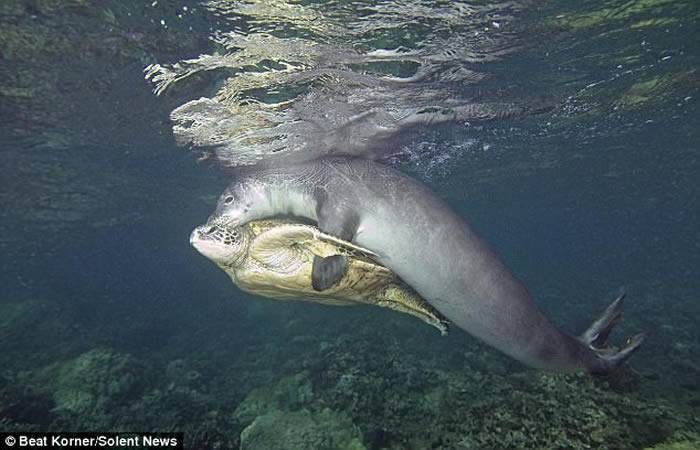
x: 199, y: 239
x: 201, y: 232
x: 206, y: 241
x: 196, y: 236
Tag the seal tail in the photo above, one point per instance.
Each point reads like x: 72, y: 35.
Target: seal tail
x: 606, y: 359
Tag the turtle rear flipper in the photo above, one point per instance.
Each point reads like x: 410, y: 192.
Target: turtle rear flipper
x: 596, y: 339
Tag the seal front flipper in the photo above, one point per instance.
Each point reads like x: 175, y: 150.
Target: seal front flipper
x: 336, y: 220
x: 596, y: 338
x: 327, y: 271
x: 342, y: 223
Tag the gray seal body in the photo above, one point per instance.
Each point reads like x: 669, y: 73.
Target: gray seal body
x: 433, y: 249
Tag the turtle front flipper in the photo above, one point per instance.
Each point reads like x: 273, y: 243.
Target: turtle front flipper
x: 328, y: 271
x: 276, y: 247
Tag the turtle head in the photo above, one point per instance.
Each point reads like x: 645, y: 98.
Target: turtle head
x: 224, y: 245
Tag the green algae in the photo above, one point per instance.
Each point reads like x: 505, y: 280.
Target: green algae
x: 655, y: 23
x: 622, y: 12
x: 636, y: 58
x: 650, y: 90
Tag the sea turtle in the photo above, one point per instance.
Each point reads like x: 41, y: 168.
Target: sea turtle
x: 274, y: 258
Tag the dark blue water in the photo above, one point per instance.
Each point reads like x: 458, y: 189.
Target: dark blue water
x: 109, y: 320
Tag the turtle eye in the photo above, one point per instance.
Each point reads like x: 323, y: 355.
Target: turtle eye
x: 228, y: 200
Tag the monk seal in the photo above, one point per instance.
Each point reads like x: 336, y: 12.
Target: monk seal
x: 429, y: 246
x: 274, y: 258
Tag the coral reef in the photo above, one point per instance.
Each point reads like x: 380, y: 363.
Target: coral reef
x: 89, y: 383
x: 479, y: 407
x: 374, y: 388
x: 324, y: 430
x: 284, y: 416
x: 87, y: 390
x: 683, y: 441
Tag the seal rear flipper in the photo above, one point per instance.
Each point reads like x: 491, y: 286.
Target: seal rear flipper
x: 606, y: 360
x: 597, y: 334
x: 327, y: 271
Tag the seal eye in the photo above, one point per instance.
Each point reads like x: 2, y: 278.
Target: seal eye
x: 228, y: 200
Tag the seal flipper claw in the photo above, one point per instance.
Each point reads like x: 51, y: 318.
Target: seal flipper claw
x: 328, y: 271
x: 596, y: 336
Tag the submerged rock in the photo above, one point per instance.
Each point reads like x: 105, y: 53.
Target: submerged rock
x: 324, y: 430
x: 290, y: 393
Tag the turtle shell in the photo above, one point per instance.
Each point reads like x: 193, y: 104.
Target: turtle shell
x: 278, y: 264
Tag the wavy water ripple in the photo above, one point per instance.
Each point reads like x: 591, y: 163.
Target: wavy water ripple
x: 299, y: 81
